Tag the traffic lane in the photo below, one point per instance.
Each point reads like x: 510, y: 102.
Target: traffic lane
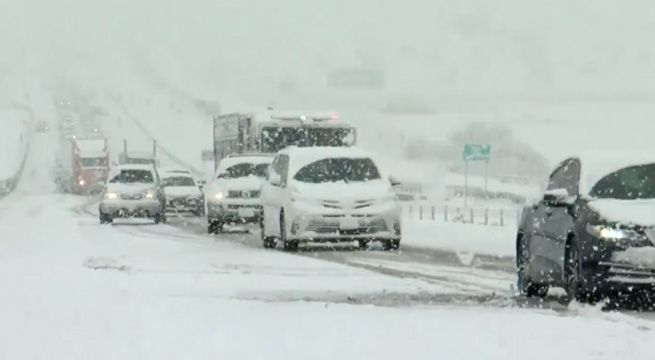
x: 482, y: 283
x: 249, y: 235
x: 431, y: 266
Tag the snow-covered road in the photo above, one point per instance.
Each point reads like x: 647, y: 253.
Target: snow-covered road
x: 74, y: 289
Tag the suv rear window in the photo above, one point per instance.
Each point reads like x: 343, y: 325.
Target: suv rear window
x: 337, y: 170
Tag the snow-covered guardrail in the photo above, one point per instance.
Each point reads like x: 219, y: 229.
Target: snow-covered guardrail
x: 454, y: 214
x: 12, y: 175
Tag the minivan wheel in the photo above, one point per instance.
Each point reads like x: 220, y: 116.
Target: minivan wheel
x: 288, y: 245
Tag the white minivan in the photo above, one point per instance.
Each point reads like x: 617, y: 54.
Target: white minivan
x: 328, y: 194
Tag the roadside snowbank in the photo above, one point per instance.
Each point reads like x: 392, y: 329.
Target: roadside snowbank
x: 13, y: 141
x: 460, y: 238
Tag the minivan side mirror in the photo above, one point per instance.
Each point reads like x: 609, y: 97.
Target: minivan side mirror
x: 394, y: 181
x: 558, y: 197
x: 275, y: 179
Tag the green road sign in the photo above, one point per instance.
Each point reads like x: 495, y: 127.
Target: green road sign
x: 476, y: 152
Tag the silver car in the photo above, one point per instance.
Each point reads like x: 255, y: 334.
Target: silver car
x: 133, y: 191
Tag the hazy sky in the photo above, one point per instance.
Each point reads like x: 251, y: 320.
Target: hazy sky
x: 449, y: 48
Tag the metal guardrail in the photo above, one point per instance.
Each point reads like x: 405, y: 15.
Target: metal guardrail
x: 454, y: 214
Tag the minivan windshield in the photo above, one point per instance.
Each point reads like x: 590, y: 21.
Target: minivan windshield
x: 244, y: 170
x: 630, y: 183
x: 133, y: 176
x: 337, y: 170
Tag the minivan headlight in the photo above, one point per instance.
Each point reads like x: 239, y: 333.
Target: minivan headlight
x: 111, y: 196
x: 150, y: 194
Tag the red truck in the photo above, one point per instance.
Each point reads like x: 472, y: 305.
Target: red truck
x: 90, y: 165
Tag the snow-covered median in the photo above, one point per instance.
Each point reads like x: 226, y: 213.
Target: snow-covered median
x: 473, y: 239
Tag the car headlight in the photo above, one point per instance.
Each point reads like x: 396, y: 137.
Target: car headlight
x: 111, y: 196
x: 82, y: 182
x: 219, y: 196
x: 150, y: 194
x: 618, y: 235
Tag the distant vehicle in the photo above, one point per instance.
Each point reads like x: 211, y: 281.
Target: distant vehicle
x: 233, y: 194
x: 328, y: 194
x: 182, y: 192
x: 133, y: 191
x: 42, y: 127
x: 270, y: 132
x: 593, y: 232
x: 90, y: 165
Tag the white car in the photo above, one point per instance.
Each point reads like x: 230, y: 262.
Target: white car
x: 182, y: 193
x: 133, y: 191
x: 321, y: 194
x: 232, y: 196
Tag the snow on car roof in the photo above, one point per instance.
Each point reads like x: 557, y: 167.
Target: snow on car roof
x: 91, y: 147
x: 322, y: 152
x: 167, y: 174
x: 174, y: 171
x: 134, y: 167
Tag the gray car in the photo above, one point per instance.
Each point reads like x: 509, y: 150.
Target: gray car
x: 133, y: 191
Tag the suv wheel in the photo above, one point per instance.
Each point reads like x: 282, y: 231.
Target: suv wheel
x: 389, y: 245
x: 268, y: 241
x: 289, y: 245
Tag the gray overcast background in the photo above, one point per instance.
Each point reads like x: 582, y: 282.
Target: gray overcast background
x: 433, y: 49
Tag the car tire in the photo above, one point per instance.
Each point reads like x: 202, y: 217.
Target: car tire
x: 363, y: 244
x: 390, y: 245
x: 289, y: 245
x: 573, y: 272
x: 160, y: 218
x: 269, y: 242
x: 525, y: 285
x: 215, y: 227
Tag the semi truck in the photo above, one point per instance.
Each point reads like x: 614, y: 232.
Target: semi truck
x: 270, y: 132
x: 89, y: 165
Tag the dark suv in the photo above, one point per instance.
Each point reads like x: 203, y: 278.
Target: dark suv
x: 592, y: 233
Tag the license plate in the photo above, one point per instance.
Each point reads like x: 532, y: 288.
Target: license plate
x: 246, y: 213
x: 348, y: 224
